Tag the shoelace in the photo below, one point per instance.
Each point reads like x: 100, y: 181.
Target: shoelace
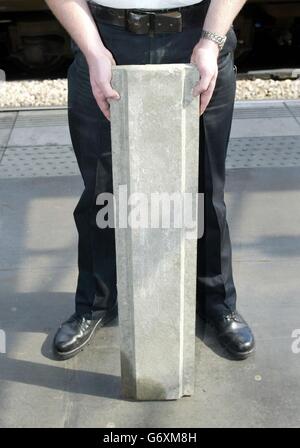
x: 233, y: 316
x: 81, y: 320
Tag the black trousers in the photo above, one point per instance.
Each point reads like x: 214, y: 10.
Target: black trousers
x: 90, y: 133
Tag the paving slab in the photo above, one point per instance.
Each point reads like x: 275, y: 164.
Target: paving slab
x: 41, y: 127
x: 38, y: 276
x: 85, y: 392
x: 42, y: 136
x: 7, y: 119
x: 264, y: 152
x: 265, y: 118
x: 263, y: 213
x: 42, y: 118
x: 36, y: 217
x: 293, y: 107
x: 38, y: 161
x: 263, y: 127
x: 4, y: 136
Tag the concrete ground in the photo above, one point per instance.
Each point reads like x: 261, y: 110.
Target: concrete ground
x: 39, y: 188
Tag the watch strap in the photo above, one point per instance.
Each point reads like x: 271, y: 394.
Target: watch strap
x: 219, y: 40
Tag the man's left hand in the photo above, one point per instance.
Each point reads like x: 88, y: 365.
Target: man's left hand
x: 205, y: 56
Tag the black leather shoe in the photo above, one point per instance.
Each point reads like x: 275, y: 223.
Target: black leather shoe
x: 234, y: 334
x: 74, y: 334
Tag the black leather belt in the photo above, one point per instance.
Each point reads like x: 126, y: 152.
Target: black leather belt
x: 141, y: 21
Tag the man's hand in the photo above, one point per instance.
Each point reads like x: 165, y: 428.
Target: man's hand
x: 76, y: 18
x: 100, y: 68
x: 219, y: 17
x: 205, y: 56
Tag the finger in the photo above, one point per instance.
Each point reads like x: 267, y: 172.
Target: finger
x: 104, y: 106
x: 105, y: 109
x: 206, y: 97
x: 103, y: 99
x: 203, y: 84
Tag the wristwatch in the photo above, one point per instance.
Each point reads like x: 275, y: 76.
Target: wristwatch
x: 219, y: 40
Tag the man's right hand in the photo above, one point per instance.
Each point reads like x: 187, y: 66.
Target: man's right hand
x: 100, y: 68
x: 75, y: 16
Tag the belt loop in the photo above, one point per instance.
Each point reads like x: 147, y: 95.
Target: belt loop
x: 151, y: 16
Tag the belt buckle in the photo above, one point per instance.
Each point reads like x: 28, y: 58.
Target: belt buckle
x: 138, y: 22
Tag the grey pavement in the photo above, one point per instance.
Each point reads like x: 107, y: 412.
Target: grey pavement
x: 39, y: 188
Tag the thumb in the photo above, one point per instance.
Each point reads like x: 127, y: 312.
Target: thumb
x: 114, y: 95
x: 110, y: 93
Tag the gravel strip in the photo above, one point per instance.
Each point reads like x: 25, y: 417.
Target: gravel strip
x: 262, y: 89
x: 33, y: 93
x: 54, y: 92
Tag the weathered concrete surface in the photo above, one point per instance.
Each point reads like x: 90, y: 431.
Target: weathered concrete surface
x: 155, y: 145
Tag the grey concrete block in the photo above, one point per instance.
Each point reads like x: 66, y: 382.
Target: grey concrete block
x: 155, y: 146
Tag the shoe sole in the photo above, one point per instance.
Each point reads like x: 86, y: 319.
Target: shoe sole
x: 62, y: 356
x: 238, y: 356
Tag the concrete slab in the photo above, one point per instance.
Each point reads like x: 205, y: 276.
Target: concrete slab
x: 294, y: 107
x: 261, y: 109
x: 36, y: 216
x: 7, y: 119
x: 4, y: 136
x: 85, y: 392
x: 258, y: 106
x: 263, y: 104
x: 42, y: 118
x: 37, y: 278
x: 264, y: 152
x: 42, y: 136
x: 38, y: 161
x: 40, y: 128
x: 156, y: 263
x: 263, y: 213
x: 259, y: 127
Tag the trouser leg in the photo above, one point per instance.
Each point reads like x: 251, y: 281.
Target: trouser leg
x: 215, y: 287
x: 90, y: 133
